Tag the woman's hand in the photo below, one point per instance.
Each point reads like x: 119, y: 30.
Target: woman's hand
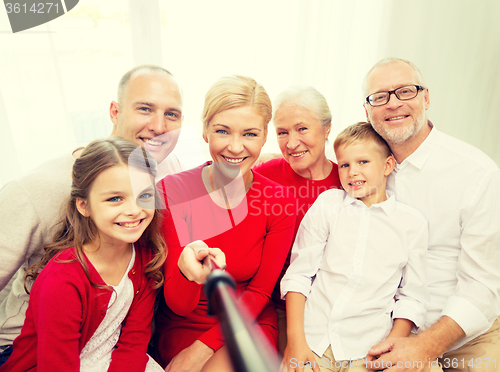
x: 195, y: 261
x: 191, y: 359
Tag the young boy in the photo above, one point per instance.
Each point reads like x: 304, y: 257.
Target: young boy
x: 358, y: 259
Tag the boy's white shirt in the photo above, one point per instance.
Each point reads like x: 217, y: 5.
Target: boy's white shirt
x: 350, y: 262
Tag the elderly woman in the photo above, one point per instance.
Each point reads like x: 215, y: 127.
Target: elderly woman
x: 226, y: 205
x: 303, y: 121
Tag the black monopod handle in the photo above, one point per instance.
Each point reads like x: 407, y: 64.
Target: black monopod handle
x: 249, y: 349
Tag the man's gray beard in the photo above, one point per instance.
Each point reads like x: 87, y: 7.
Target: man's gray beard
x: 397, y: 137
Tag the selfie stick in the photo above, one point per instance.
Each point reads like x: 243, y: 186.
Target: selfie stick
x: 250, y: 351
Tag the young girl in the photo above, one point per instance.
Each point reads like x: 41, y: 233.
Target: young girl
x: 91, y: 307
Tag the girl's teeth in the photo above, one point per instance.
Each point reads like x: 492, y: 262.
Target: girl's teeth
x: 129, y: 224
x: 299, y: 154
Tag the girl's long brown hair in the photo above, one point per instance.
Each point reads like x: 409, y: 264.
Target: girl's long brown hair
x: 75, y: 230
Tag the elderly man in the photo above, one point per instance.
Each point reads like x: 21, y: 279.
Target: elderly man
x: 456, y: 187
x: 149, y: 113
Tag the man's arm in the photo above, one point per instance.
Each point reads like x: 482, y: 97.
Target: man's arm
x: 31, y: 207
x: 18, y: 230
x: 475, y: 302
x: 419, y: 350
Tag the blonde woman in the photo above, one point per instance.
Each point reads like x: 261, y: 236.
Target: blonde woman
x: 226, y: 205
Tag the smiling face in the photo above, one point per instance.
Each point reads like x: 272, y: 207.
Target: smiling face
x: 363, y: 170
x: 150, y: 114
x: 235, y: 138
x: 120, y: 214
x: 397, y: 121
x: 301, y: 138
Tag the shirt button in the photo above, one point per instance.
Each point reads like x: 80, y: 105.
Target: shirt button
x: 137, y: 292
x: 133, y: 272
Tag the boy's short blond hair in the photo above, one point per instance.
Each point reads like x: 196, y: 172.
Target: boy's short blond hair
x: 361, y: 132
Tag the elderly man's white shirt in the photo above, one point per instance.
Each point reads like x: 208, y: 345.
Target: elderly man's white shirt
x: 350, y: 261
x: 456, y: 187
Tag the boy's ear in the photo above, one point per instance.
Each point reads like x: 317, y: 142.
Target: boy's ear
x: 390, y: 163
x: 82, y: 206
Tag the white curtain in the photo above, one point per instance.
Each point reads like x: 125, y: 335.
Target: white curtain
x: 56, y: 83
x: 57, y: 80
x: 456, y: 45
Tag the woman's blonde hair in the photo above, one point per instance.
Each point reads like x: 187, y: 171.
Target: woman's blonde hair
x: 236, y: 91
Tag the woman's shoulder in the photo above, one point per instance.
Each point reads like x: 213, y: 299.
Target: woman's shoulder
x: 270, y: 164
x: 182, y: 178
x: 268, y: 188
x: 184, y: 184
x: 260, y: 180
x: 334, y: 173
x: 273, y: 168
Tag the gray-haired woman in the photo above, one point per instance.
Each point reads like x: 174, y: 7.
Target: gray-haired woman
x: 302, y: 120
